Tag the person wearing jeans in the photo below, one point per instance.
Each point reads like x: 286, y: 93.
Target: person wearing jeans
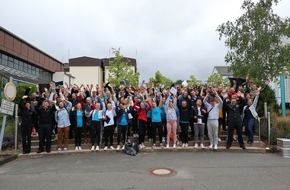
x: 63, y: 123
x: 109, y: 125
x: 199, y: 113
x: 213, y: 115
x: 249, y: 116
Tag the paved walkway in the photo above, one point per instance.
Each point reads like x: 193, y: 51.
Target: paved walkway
x: 112, y: 171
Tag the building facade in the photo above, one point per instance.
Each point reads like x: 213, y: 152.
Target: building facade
x: 88, y: 70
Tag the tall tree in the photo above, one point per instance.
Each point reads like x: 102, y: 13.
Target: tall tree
x: 120, y: 70
x: 255, y: 42
x: 160, y: 79
x: 216, y: 79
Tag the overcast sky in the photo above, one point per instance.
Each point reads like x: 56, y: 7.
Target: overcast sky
x: 177, y: 37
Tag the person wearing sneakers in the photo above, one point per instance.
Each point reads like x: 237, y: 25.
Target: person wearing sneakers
x: 63, y: 123
x: 185, y: 112
x: 78, y: 120
x: 109, y: 124
x: 96, y: 125
x: 249, y: 116
x: 213, y: 115
x: 156, y: 122
x: 142, y: 119
x: 171, y: 118
x: 122, y: 121
x: 199, y: 112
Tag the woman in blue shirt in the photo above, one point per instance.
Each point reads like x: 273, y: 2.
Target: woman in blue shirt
x: 122, y: 121
x: 78, y: 116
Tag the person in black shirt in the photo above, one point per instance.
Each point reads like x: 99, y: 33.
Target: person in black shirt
x: 26, y: 124
x: 234, y: 122
x: 46, y: 114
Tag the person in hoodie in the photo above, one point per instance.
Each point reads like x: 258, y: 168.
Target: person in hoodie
x: 142, y: 111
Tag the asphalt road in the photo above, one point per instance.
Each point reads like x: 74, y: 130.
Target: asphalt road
x: 110, y: 171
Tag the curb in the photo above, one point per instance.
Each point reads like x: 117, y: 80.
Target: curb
x: 7, y: 159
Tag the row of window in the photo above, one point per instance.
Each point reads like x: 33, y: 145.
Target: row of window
x: 24, y: 67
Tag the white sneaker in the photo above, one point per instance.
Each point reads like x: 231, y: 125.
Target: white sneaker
x: 196, y: 145
x: 123, y: 148
x: 140, y: 146
x: 106, y: 148
x: 65, y: 149
x: 80, y: 148
x: 59, y: 150
x: 143, y: 146
x: 167, y: 146
x: 77, y: 148
x: 161, y: 145
x: 163, y: 139
x: 220, y: 140
x: 183, y: 145
x: 93, y: 148
x: 112, y: 148
x: 215, y: 147
x: 118, y: 147
x: 201, y: 146
x: 154, y: 146
x: 174, y: 146
x: 97, y: 148
x: 210, y: 146
x: 186, y: 145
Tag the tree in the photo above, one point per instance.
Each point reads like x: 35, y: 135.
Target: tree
x: 120, y: 70
x: 178, y: 82
x: 160, y: 79
x: 192, y: 81
x: 216, y: 79
x: 255, y: 42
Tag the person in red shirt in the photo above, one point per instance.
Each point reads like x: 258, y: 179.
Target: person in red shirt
x: 142, y: 111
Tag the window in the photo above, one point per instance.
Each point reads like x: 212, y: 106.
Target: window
x: 37, y: 71
x: 4, y: 57
x: 33, y: 70
x: 20, y: 65
x: 25, y: 67
x: 10, y: 62
x: 28, y: 68
x: 16, y: 64
x: 4, y: 62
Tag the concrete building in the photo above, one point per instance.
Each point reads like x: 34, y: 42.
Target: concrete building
x: 88, y: 70
x: 25, y: 62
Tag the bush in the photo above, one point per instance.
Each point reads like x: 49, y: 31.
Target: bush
x: 21, y: 87
x: 8, y: 142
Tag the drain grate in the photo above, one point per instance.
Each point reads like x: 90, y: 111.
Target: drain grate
x: 161, y: 172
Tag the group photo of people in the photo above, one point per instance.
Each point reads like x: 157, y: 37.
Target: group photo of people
x: 164, y: 117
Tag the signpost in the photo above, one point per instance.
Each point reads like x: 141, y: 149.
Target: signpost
x: 7, y: 106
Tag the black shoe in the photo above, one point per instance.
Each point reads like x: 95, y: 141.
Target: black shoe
x: 39, y: 151
x: 228, y: 147
x: 243, y: 147
x: 248, y: 142
x: 48, y: 151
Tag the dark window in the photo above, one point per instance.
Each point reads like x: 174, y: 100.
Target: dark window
x: 29, y: 69
x: 25, y: 67
x: 20, y: 66
x: 33, y: 70
x: 37, y: 71
x: 4, y: 62
x: 5, y: 57
x: 16, y: 64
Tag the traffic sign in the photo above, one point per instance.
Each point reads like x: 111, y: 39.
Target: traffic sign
x: 7, y: 107
x: 10, y: 91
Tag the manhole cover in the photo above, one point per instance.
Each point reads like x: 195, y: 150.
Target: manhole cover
x: 161, y: 172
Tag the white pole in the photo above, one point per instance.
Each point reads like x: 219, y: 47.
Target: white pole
x: 2, y: 131
x: 16, y: 127
x: 265, y: 109
x: 269, y: 129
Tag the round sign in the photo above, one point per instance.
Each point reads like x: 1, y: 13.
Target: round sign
x: 10, y: 91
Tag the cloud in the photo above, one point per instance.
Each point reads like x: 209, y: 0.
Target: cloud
x: 176, y: 37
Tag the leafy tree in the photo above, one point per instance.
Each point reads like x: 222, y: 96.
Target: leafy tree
x: 21, y: 88
x: 216, y: 79
x: 160, y: 79
x: 255, y: 42
x: 192, y: 81
x: 178, y: 82
x: 120, y: 70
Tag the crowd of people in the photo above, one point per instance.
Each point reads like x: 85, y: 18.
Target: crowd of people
x: 92, y: 114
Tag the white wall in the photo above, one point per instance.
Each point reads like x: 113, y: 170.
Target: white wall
x: 87, y: 75
x: 61, y: 76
